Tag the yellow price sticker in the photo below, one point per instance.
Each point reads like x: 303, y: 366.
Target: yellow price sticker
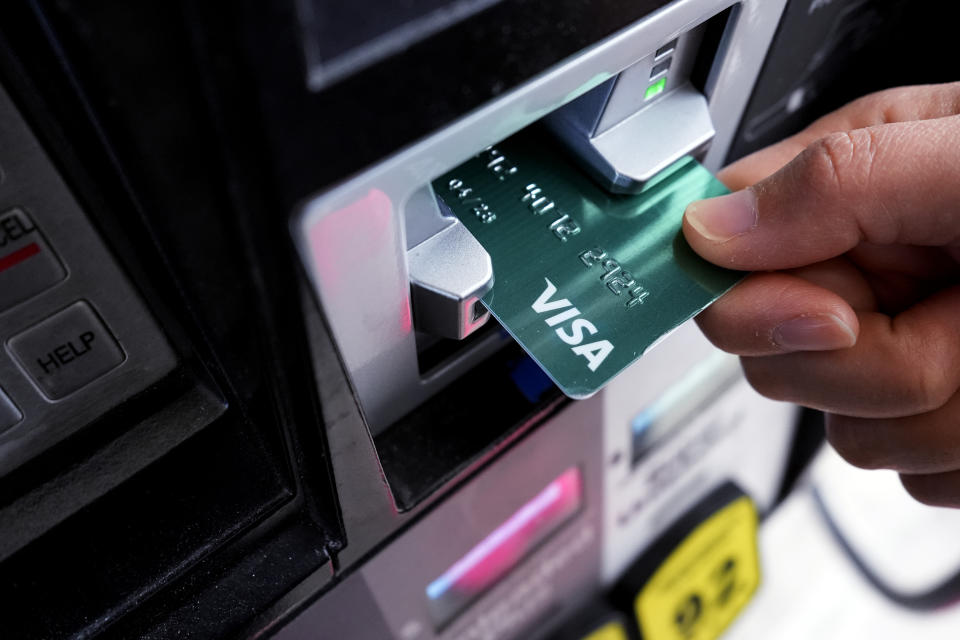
x: 609, y: 631
x: 706, y: 580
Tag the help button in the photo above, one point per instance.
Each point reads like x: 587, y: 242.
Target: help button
x: 67, y: 351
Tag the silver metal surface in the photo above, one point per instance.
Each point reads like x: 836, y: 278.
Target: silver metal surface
x: 743, y: 50
x: 626, y: 138
x: 628, y: 94
x: 638, y: 148
x: 352, y: 238
x: 449, y: 273
x: 368, y: 510
x: 32, y: 184
x: 424, y: 217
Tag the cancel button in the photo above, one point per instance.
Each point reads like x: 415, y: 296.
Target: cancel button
x: 67, y: 351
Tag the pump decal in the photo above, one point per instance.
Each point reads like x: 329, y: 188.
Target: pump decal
x: 706, y: 581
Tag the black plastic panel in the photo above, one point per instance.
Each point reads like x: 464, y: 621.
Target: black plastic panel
x: 468, y: 422
x: 341, y: 37
x: 114, y: 554
x: 826, y: 54
x: 318, y: 138
x: 123, y: 99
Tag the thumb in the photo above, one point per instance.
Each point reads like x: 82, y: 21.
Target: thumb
x: 888, y: 184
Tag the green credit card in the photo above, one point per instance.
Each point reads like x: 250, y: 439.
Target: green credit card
x: 585, y: 280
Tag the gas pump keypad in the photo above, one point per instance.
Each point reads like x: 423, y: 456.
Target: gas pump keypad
x: 28, y: 264
x: 76, y: 339
x: 67, y: 351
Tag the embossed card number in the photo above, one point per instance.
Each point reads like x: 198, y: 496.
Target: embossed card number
x: 585, y: 280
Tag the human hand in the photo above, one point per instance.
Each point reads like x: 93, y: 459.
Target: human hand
x: 855, y: 309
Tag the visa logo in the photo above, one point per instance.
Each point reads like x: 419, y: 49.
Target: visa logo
x: 572, y: 334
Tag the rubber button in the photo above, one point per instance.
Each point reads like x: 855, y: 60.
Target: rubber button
x: 28, y: 265
x: 67, y: 351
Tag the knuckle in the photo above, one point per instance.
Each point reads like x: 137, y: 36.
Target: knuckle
x: 845, y: 160
x: 902, y: 104
x: 846, y: 165
x: 927, y: 388
x: 853, y: 443
x: 829, y: 160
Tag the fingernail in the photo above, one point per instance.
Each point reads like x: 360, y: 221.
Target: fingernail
x: 820, y: 332
x: 722, y: 218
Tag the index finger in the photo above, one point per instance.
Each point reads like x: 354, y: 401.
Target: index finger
x: 903, y: 104
x: 887, y: 184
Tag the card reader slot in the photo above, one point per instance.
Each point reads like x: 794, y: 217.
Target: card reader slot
x: 454, y: 364
x: 656, y: 111
x: 436, y: 405
x: 478, y: 413
x: 435, y: 353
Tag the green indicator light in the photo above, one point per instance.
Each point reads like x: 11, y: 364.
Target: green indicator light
x: 656, y: 88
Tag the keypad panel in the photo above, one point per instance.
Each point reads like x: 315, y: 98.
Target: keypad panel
x: 75, y: 337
